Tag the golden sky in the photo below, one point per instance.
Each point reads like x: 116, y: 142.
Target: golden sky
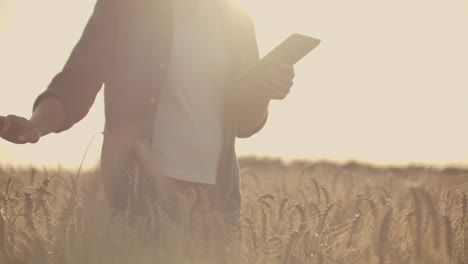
x: 389, y: 83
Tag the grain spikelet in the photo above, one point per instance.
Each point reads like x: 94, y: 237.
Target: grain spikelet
x: 386, y: 196
x: 317, y: 188
x: 354, y: 227
x: 252, y: 233
x: 281, y: 213
x: 374, y: 210
x: 338, y: 230
x: 314, y: 209
x: 283, y: 203
x: 325, y: 194
x: 264, y: 198
x: 8, y: 186
x: 275, y: 249
x: 302, y: 214
x: 28, y: 212
x: 448, y: 202
x: 323, y: 218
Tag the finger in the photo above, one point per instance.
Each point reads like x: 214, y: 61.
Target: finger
x: 284, y: 84
x: 274, y: 74
x: 6, y: 124
x: 21, y: 140
x: 279, y: 77
x: 278, y: 95
x: 275, y: 83
x: 287, y: 71
x: 15, y: 124
x: 278, y: 82
x: 31, y: 136
x: 274, y: 90
x: 14, y: 129
x: 2, y: 123
x: 282, y: 69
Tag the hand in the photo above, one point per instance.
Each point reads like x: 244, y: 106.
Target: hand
x: 277, y: 80
x: 18, y: 130
x: 145, y: 157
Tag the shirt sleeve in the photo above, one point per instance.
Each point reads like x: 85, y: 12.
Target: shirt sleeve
x: 82, y: 76
x: 251, y: 56
x: 254, y: 130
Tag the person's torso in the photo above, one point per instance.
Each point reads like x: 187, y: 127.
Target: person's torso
x: 188, y: 136
x: 140, y: 51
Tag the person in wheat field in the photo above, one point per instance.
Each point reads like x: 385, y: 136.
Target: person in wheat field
x: 172, y: 111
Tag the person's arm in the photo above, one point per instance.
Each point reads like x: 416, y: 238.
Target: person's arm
x: 273, y: 81
x: 252, y: 112
x: 72, y: 91
x: 77, y: 85
x: 252, y: 104
x: 49, y: 116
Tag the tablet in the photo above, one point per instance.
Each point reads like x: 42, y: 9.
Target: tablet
x: 290, y: 51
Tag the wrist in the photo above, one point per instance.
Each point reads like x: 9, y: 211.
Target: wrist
x: 49, y: 116
x: 40, y: 128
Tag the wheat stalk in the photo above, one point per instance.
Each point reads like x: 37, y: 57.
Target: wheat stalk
x: 384, y: 230
x: 294, y: 237
x: 418, y: 220
x: 434, y: 217
x: 448, y: 236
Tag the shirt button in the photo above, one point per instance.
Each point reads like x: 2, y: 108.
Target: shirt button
x: 153, y: 100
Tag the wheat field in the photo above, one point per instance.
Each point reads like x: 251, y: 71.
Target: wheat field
x: 297, y: 211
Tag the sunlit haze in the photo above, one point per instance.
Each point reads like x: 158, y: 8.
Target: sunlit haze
x: 388, y: 84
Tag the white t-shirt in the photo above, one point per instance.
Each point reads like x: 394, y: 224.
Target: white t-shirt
x: 188, y: 130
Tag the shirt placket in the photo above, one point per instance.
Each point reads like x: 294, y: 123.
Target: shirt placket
x: 161, y: 59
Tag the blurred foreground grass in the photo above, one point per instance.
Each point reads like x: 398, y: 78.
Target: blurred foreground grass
x: 293, y: 212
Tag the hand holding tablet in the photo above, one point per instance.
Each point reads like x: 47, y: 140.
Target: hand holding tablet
x: 290, y: 51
